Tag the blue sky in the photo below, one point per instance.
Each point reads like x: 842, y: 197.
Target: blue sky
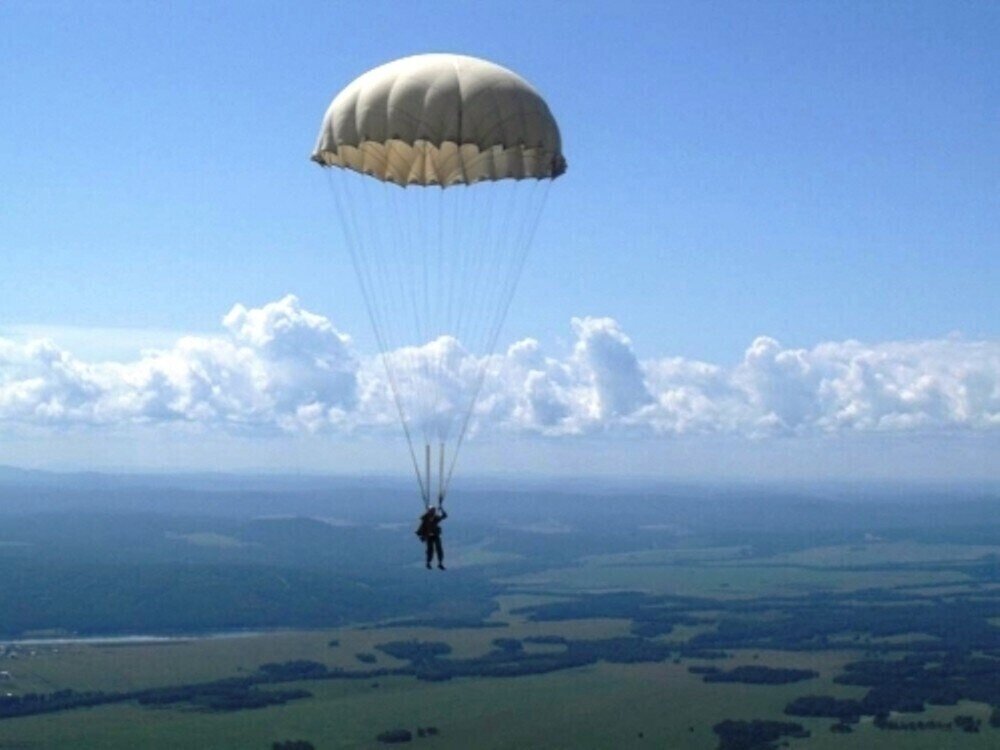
x: 811, y: 172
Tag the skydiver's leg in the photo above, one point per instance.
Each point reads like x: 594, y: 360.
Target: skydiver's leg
x: 440, y: 552
x: 429, y: 543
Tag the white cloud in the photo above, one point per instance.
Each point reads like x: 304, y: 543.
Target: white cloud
x: 281, y: 368
x: 604, y: 358
x: 435, y: 384
x: 42, y: 384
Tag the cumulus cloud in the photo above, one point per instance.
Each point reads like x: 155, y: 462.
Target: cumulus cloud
x: 434, y: 385
x: 606, y: 361
x: 281, y: 368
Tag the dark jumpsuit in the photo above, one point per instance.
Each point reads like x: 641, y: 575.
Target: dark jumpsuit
x: 430, y: 532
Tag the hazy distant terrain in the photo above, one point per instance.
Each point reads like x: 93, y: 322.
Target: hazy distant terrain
x: 573, y: 616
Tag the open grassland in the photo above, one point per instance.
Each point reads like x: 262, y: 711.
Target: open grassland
x: 874, y: 553
x: 724, y: 579
x: 600, y: 706
x: 594, y: 707
x: 733, y: 571
x: 123, y: 667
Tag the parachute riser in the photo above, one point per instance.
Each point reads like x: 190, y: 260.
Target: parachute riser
x: 441, y: 476
x: 426, y: 481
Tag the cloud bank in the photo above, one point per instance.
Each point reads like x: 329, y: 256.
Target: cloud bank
x: 282, y: 369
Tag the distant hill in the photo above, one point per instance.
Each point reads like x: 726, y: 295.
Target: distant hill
x: 542, y: 504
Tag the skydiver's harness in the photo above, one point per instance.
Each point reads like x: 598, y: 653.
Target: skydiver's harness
x: 429, y: 526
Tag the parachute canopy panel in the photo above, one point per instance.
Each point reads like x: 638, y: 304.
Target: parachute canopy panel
x: 441, y: 120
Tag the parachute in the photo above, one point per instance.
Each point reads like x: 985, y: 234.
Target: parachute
x: 439, y: 168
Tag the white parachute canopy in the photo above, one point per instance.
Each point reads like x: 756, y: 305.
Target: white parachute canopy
x: 444, y: 163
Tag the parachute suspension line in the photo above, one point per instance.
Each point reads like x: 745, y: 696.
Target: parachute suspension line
x: 425, y: 249
x: 501, y: 259
x: 410, y: 277
x: 489, y: 255
x: 524, y: 246
x: 421, y: 245
x: 463, y: 222
x: 449, y: 270
x: 408, y: 257
x: 522, y: 249
x: 355, y: 246
x: 521, y: 246
x: 439, y: 286
x: 472, y: 255
x: 471, y: 249
x: 468, y: 205
x: 372, y: 263
x: 493, y: 256
x: 439, y: 323
x: 463, y: 287
x: 397, y: 256
x: 353, y: 242
x: 393, y: 254
x: 525, y: 240
x: 395, y: 250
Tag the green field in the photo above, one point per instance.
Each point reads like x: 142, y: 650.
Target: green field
x: 655, y: 703
x: 602, y: 706
x: 595, y: 707
x: 724, y: 580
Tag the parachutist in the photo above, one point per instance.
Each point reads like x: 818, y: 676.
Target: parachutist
x: 430, y: 534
